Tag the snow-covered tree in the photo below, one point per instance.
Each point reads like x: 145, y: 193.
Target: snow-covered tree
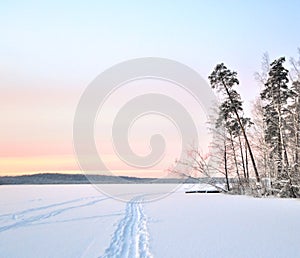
x: 231, y: 110
x: 275, y: 96
x: 273, y: 131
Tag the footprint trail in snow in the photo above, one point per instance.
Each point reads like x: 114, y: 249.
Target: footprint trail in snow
x: 131, y: 238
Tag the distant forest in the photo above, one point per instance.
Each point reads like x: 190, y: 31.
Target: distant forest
x: 57, y: 178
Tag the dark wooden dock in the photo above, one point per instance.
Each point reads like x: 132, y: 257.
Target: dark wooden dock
x: 204, y: 191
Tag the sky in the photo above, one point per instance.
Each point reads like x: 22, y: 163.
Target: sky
x: 51, y: 50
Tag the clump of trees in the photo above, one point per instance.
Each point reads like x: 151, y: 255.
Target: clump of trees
x: 258, y: 155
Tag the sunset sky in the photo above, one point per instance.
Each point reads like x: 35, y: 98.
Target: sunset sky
x: 50, y: 51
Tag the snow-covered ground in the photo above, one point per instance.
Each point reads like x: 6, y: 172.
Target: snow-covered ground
x: 79, y: 221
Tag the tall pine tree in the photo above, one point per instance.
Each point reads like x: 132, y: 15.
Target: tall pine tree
x: 275, y: 96
x: 231, y: 109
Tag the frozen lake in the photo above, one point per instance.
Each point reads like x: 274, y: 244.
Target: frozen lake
x: 79, y: 221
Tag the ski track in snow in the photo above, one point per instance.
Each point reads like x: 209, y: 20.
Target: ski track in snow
x: 33, y: 215
x: 131, y: 238
x: 21, y: 213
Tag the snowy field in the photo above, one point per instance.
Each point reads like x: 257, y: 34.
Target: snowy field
x: 79, y: 221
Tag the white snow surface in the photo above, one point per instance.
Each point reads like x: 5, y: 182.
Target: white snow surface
x: 79, y: 221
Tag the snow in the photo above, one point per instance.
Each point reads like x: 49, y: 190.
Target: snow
x: 79, y: 221
x: 131, y: 238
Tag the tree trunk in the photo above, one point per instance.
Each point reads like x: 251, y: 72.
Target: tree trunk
x: 242, y: 156
x: 244, y: 134
x: 296, y: 129
x: 247, y: 167
x: 235, y: 161
x: 225, y: 164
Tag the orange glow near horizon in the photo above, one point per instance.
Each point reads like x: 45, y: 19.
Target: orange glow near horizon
x: 67, y: 164
x: 15, y: 166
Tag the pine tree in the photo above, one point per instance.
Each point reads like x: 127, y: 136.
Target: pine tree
x: 294, y: 115
x: 275, y: 96
x: 231, y: 109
